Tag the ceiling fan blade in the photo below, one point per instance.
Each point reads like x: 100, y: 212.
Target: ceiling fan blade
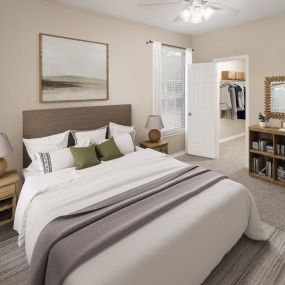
x: 223, y: 9
x: 177, y: 19
x: 153, y: 3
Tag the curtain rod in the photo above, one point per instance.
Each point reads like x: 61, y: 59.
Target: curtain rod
x: 150, y: 42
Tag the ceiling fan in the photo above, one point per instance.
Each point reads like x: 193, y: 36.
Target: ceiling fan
x: 196, y: 11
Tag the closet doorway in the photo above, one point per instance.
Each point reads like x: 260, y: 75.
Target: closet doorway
x: 234, y: 95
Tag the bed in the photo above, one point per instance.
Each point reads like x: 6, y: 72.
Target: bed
x: 181, y: 246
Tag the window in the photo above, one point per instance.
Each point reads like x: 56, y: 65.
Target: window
x: 172, y: 89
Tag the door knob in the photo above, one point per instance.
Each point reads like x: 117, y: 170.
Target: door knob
x: 189, y: 114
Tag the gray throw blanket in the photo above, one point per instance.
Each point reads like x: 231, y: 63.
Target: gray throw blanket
x: 68, y: 241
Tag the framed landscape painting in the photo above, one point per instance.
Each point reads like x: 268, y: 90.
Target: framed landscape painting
x: 72, y: 70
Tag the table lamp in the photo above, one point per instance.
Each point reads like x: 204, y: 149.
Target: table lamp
x: 154, y: 124
x: 5, y: 149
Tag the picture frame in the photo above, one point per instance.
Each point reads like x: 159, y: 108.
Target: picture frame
x: 73, y: 70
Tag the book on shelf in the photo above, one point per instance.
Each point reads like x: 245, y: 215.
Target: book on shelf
x: 255, y: 145
x: 268, y: 171
x: 269, y: 148
x: 280, y: 149
x: 261, y: 167
x: 262, y: 145
x: 257, y: 164
x: 281, y: 173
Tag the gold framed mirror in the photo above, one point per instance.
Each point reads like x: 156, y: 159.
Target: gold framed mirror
x: 275, y: 97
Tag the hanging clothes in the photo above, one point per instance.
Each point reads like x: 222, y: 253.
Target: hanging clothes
x: 225, y: 100
x: 241, y: 114
x: 232, y: 101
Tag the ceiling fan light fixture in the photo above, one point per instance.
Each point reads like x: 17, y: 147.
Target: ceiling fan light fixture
x: 185, y: 15
x: 197, y: 13
x: 208, y: 12
x: 196, y: 20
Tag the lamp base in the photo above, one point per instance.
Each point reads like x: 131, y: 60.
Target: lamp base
x: 154, y: 135
x: 3, y: 166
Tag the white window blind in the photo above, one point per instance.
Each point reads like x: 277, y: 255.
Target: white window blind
x: 172, y: 89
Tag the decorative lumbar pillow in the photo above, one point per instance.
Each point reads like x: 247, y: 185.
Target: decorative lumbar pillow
x: 125, y: 143
x: 87, y: 138
x: 116, y: 129
x: 55, y: 160
x: 46, y: 144
x: 84, y: 157
x: 108, y: 150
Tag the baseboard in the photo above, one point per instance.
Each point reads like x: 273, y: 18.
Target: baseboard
x: 232, y: 138
x: 178, y: 154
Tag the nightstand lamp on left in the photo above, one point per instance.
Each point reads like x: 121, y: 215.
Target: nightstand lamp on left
x: 154, y: 124
x: 5, y: 149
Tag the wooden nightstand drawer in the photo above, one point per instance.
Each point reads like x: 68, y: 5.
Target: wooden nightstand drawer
x: 7, y: 191
x: 161, y: 149
x: 161, y: 146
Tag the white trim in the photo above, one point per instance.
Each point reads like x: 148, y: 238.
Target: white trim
x: 232, y: 138
x: 172, y: 133
x: 177, y: 154
x: 247, y: 115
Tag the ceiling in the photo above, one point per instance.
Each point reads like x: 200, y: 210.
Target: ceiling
x: 162, y: 16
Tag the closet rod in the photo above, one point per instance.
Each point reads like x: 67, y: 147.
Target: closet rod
x: 233, y: 81
x: 167, y: 45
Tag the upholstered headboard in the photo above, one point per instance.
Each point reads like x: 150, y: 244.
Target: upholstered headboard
x: 46, y: 122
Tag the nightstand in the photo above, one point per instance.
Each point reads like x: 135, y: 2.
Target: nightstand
x: 161, y: 146
x: 9, y: 193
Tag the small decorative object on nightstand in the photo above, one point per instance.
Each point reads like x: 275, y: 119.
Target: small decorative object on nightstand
x: 9, y: 193
x: 154, y: 123
x: 5, y: 149
x: 161, y: 146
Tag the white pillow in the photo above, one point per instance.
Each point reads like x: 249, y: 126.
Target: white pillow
x: 115, y: 130
x: 55, y: 160
x: 32, y: 169
x: 87, y: 138
x: 125, y: 143
x: 46, y: 144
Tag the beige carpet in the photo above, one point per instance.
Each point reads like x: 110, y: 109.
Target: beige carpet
x: 253, y: 263
x: 270, y: 198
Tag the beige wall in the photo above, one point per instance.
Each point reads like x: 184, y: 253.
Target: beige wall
x: 130, y: 64
x: 264, y: 44
x: 229, y: 128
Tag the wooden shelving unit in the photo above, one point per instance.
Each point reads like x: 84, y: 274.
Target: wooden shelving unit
x: 276, y: 137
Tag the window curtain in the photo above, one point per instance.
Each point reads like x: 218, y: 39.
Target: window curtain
x: 156, y: 66
x: 188, y: 61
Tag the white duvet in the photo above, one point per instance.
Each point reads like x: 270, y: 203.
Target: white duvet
x: 214, y: 219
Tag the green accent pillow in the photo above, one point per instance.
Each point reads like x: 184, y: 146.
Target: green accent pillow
x: 108, y: 150
x: 84, y: 157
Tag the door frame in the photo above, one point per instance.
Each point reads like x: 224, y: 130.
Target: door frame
x: 246, y: 58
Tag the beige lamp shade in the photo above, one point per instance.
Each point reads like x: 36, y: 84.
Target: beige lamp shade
x: 154, y: 122
x: 5, y: 146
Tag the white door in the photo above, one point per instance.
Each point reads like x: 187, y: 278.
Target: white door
x: 203, y: 111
